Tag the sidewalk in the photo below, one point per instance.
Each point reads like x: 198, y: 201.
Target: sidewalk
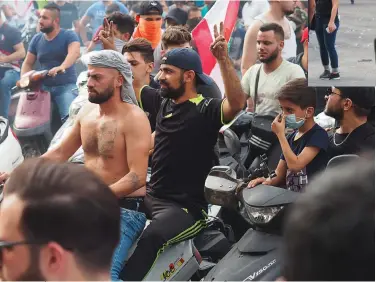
x: 354, y: 44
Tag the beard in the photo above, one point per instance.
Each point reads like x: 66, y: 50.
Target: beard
x: 100, y: 97
x: 271, y: 58
x: 288, y: 12
x: 172, y: 93
x: 33, y: 273
x: 335, y: 112
x: 47, y: 30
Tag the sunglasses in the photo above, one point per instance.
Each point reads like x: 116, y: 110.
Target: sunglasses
x: 329, y: 92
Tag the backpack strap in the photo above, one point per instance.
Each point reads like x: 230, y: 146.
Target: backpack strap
x: 256, y: 88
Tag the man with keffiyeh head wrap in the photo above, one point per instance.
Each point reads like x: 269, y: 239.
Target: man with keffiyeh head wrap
x: 115, y: 135
x: 113, y: 60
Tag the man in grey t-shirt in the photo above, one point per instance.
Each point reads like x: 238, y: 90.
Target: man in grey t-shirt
x: 273, y: 71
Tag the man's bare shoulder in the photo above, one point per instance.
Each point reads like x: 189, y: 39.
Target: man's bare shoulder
x: 86, y: 109
x: 133, y: 115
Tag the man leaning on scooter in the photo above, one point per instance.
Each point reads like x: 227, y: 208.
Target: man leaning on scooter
x: 56, y: 50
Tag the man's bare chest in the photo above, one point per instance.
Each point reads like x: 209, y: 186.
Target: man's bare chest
x: 103, y: 138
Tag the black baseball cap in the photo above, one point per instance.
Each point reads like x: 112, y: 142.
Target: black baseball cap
x: 363, y: 97
x: 178, y: 15
x: 186, y: 59
x: 150, y: 8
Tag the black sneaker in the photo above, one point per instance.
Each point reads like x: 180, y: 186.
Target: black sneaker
x: 334, y: 76
x: 325, y: 75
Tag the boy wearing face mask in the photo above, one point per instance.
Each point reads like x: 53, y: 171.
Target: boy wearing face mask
x: 304, y: 150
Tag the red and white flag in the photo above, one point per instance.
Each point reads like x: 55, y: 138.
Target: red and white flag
x: 225, y: 11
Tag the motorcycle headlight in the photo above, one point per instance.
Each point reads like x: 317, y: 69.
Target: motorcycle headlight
x: 24, y: 82
x: 262, y: 215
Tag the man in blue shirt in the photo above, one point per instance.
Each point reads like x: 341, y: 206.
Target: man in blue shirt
x: 11, y: 52
x: 56, y: 50
x: 95, y: 15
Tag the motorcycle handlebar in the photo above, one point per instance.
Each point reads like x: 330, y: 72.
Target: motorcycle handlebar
x: 32, y: 76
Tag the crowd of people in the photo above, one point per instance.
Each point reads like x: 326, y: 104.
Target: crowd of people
x: 150, y: 103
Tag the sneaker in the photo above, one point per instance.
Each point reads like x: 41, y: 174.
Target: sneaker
x: 334, y: 76
x: 325, y: 75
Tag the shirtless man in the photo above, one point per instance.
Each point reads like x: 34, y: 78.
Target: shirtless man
x: 277, y: 13
x: 115, y: 137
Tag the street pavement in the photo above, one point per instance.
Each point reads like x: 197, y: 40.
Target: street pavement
x: 354, y: 44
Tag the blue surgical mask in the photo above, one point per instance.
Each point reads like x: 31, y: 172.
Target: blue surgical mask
x: 291, y: 122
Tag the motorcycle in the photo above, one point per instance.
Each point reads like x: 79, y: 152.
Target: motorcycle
x: 256, y: 255
x: 34, y: 115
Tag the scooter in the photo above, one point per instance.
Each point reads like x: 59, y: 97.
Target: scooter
x: 191, y: 259
x: 35, y: 118
x: 256, y: 255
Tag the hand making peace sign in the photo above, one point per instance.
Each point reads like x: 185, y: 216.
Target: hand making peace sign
x: 107, y: 35
x: 219, y: 47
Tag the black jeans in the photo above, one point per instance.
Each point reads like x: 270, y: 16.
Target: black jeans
x: 171, y: 223
x: 327, y: 41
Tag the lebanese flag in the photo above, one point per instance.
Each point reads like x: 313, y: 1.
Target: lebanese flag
x: 225, y: 11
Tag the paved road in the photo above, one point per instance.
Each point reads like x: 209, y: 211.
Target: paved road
x: 354, y: 46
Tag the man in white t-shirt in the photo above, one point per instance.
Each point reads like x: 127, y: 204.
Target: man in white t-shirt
x: 277, y: 13
x: 274, y: 71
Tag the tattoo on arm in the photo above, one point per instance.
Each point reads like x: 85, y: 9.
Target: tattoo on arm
x: 134, y: 180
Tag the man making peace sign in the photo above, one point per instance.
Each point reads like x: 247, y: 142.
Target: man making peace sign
x: 186, y: 133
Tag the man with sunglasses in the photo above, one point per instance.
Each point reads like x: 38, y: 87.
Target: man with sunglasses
x: 53, y: 228
x: 351, y: 106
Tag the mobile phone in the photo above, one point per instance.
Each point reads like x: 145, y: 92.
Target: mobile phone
x: 327, y: 29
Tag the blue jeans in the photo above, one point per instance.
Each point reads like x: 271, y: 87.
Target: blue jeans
x: 63, y: 96
x: 8, y: 79
x: 132, y: 224
x: 327, y: 41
